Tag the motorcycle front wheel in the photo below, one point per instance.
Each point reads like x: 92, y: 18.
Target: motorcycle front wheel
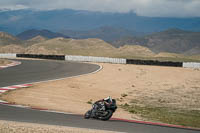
x: 88, y: 114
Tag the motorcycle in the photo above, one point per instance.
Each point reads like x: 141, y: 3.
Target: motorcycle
x: 101, y: 110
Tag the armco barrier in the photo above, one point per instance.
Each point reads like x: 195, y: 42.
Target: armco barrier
x: 40, y: 56
x: 95, y: 59
x: 103, y: 60
x: 7, y: 55
x: 155, y: 63
x: 191, y: 65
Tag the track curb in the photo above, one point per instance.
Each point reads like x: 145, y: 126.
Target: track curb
x: 155, y: 124
x: 14, y: 63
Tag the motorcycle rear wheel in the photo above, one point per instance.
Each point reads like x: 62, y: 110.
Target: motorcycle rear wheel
x: 107, y: 116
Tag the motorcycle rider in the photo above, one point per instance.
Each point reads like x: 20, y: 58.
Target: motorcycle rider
x: 101, y: 104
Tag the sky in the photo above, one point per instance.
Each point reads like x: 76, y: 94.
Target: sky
x: 149, y: 8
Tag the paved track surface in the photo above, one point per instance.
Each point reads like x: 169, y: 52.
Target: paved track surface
x: 40, y: 70
x: 32, y: 71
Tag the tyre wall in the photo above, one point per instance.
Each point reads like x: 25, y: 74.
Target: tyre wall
x: 154, y: 63
x: 40, y: 56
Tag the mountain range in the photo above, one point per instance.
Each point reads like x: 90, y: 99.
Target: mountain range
x: 171, y: 40
x: 87, y: 47
x: 29, y: 34
x: 7, y: 39
x: 106, y: 33
x: 15, y: 22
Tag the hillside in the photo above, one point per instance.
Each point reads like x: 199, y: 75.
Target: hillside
x: 60, y: 45
x: 37, y: 39
x: 6, y: 39
x: 106, y: 33
x: 89, y: 47
x: 172, y: 41
x: 130, y: 40
x: 34, y: 40
x: 130, y: 51
x: 29, y: 34
x: 170, y: 55
x: 92, y: 47
x: 193, y: 51
x: 12, y: 49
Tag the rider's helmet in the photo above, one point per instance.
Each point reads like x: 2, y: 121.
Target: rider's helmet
x: 108, y: 99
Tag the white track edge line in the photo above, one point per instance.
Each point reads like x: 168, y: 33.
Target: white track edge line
x: 1, y: 101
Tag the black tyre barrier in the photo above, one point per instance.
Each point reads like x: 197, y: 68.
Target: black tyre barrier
x: 154, y: 62
x: 40, y: 56
x: 128, y: 61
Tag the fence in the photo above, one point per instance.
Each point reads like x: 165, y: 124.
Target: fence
x: 8, y: 55
x: 191, y: 65
x: 95, y: 59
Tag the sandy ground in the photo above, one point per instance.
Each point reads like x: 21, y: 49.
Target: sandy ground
x: 149, y: 85
x: 18, y: 127
x: 4, y: 62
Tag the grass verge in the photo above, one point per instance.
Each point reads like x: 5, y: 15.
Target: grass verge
x: 166, y: 115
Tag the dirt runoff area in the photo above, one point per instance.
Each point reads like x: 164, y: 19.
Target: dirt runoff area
x: 4, y: 62
x: 148, y: 85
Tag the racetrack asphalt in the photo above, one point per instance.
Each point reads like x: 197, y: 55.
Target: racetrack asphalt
x: 37, y: 70
x: 42, y: 70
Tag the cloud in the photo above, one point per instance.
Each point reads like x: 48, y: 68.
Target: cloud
x: 151, y: 8
x: 12, y: 7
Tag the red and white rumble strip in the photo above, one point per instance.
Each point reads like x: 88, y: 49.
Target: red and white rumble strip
x: 14, y: 63
x: 4, y: 89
